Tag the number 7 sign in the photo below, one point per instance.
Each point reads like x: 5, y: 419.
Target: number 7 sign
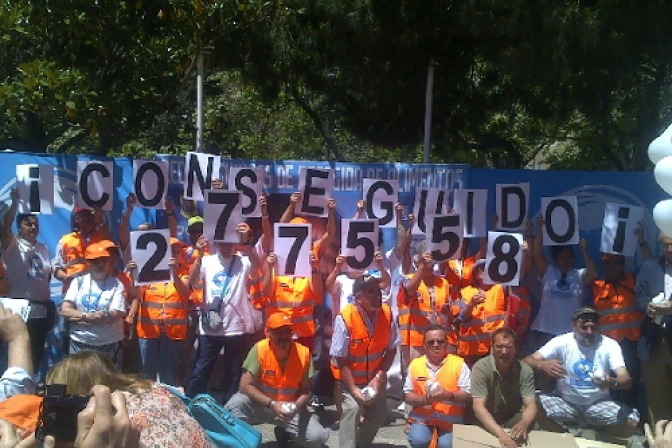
x: 292, y: 246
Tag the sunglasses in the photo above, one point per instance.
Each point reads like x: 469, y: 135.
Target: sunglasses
x: 437, y: 342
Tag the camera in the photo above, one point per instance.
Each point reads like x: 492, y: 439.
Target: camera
x: 58, y: 414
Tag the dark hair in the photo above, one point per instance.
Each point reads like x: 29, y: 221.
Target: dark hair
x: 433, y: 327
x: 557, y: 250
x: 507, y: 333
x: 22, y: 217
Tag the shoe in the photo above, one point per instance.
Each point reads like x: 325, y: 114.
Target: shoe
x: 282, y: 437
x: 335, y: 426
x: 316, y: 404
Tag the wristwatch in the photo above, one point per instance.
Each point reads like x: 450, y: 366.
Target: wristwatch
x: 270, y: 403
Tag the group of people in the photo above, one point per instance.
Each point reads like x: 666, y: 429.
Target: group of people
x: 469, y: 351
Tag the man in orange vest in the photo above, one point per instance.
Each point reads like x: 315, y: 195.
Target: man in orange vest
x: 484, y: 311
x: 88, y: 229
x: 363, y: 345
x: 275, y: 387
x: 162, y: 322
x: 424, y: 298
x: 614, y: 300
x: 294, y: 296
x: 437, y: 387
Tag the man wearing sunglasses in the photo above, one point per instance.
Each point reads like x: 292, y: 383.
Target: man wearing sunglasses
x: 437, y: 387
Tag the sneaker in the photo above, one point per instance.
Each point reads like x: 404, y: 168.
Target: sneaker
x: 335, y: 426
x: 282, y: 437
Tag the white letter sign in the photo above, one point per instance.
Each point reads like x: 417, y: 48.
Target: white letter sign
x: 359, y: 241
x: 221, y: 215
x: 36, y: 189
x: 199, y: 170
x: 472, y: 205
x: 620, y: 222
x: 502, y: 264
x: 561, y: 214
x: 316, y: 187
x: 444, y: 236
x: 249, y: 181
x: 512, y: 204
x: 292, y: 245
x: 381, y: 196
x: 150, y: 249
x: 95, y: 184
x: 429, y: 202
x: 150, y: 180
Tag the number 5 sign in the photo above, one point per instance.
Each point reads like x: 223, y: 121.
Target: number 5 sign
x: 292, y: 247
x: 359, y: 242
x: 150, y: 249
x: 502, y: 265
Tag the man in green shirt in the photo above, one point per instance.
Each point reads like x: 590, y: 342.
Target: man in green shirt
x: 500, y: 385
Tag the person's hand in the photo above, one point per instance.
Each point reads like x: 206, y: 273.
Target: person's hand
x: 272, y: 259
x: 331, y: 204
x: 663, y: 436
x: 340, y: 261
x: 359, y: 396
x: 8, y: 437
x: 131, y: 200
x: 477, y: 298
x: 437, y: 393
x: 553, y: 367
x: 295, y: 197
x: 506, y: 441
x: 131, y: 266
x: 217, y: 184
x: 583, y: 245
x: 379, y: 259
x: 280, y: 413
x: 170, y: 206
x: 12, y: 327
x: 361, y: 204
x: 129, y: 320
x: 263, y: 206
x: 427, y: 258
x: 519, y: 432
x: 245, y: 232
x: 312, y: 258
x: 104, y: 423
x: 540, y: 222
x: 14, y: 194
x: 654, y: 310
x: 378, y: 382
x: 411, y: 221
x: 604, y: 383
x: 398, y: 210
x: 172, y: 264
x: 525, y: 247
x: 201, y: 244
x: 639, y: 233
x: 447, y: 311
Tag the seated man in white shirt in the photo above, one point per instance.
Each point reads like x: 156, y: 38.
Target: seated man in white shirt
x: 18, y: 378
x: 582, y: 361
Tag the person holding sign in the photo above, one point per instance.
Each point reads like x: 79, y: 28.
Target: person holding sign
x: 95, y: 306
x: 275, y: 387
x: 320, y: 244
x: 424, y: 298
x: 614, y: 300
x: 363, y: 346
x: 484, y: 311
x: 563, y: 288
x: 28, y: 274
x: 125, y: 222
x: 438, y: 387
x: 88, y: 228
x: 294, y: 296
x: 162, y: 322
x: 228, y: 318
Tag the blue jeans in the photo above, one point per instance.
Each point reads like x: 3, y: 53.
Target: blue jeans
x: 160, y: 355
x: 420, y: 435
x: 235, y: 350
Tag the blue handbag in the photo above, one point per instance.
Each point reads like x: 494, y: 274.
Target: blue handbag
x: 224, y: 429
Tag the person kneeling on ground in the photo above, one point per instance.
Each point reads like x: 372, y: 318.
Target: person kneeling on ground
x: 437, y: 386
x: 275, y: 387
x: 500, y: 385
x: 582, y: 362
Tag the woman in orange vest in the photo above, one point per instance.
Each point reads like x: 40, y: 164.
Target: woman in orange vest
x: 437, y: 387
x: 484, y: 311
x: 162, y: 323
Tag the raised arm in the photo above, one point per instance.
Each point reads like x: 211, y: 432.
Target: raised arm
x: 195, y: 271
x: 266, y: 227
x: 538, y: 260
x: 170, y: 214
x: 406, y: 248
x: 330, y: 234
x: 181, y: 287
x: 330, y: 282
x: 385, y: 279
x: 125, y: 222
x: 414, y: 282
x: 7, y: 235
x: 361, y: 204
x: 289, y: 211
x: 268, y: 286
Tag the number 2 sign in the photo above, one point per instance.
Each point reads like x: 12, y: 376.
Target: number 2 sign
x: 150, y: 249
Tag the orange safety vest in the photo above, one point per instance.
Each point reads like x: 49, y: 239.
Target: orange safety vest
x: 73, y: 247
x: 414, y: 312
x: 519, y: 309
x: 485, y: 318
x: 460, y: 275
x: 616, y: 306
x: 281, y: 384
x: 443, y: 414
x: 294, y: 297
x: 162, y: 308
x: 366, y: 352
x: 188, y: 256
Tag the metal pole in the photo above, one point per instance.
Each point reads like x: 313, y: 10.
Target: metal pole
x: 199, y: 105
x: 429, y: 96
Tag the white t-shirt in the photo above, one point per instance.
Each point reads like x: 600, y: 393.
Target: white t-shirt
x: 28, y: 270
x: 230, y: 283
x: 89, y: 295
x: 342, y: 295
x: 393, y: 265
x: 559, y: 299
x: 578, y: 387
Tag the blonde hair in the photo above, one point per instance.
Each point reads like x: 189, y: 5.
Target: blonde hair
x: 81, y: 371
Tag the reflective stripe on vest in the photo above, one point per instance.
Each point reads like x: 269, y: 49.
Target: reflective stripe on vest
x: 147, y: 320
x: 624, y: 310
x: 475, y: 332
x: 414, y: 314
x: 293, y: 296
x: 162, y: 309
x: 615, y: 304
x: 620, y: 326
x: 281, y: 383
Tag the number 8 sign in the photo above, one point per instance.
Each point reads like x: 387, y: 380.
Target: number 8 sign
x: 502, y: 265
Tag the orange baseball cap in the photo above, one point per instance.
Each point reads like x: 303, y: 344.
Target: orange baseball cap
x: 615, y: 257
x: 299, y: 220
x: 108, y: 244
x: 278, y: 320
x: 96, y: 250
